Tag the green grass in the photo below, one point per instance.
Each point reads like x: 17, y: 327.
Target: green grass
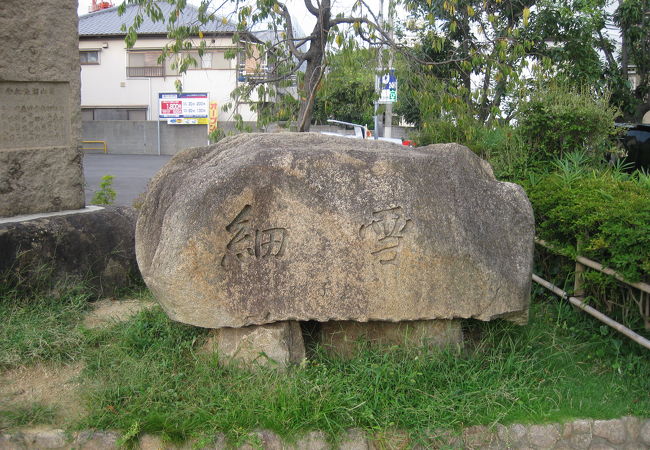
x: 146, y: 376
x: 41, y: 326
x: 22, y: 416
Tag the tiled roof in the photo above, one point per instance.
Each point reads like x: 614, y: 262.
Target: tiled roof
x: 108, y: 22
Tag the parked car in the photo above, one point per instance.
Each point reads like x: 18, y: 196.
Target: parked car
x: 636, y: 142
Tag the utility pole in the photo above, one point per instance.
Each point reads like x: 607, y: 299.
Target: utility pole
x: 388, y: 124
x: 378, y: 72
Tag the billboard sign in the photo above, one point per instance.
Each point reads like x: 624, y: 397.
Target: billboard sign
x: 183, y: 106
x: 388, y: 84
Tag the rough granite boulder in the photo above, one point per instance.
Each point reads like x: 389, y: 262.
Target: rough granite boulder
x: 261, y: 228
x: 93, y: 246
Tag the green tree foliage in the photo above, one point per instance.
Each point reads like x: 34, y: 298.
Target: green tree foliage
x: 569, y: 33
x: 347, y: 91
x: 484, y: 50
x: 572, y: 43
x: 462, y: 40
x: 633, y: 17
x: 557, y: 119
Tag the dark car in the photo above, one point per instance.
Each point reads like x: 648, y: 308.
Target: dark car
x: 636, y: 142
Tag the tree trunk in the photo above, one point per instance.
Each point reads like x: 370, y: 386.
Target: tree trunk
x: 624, y: 51
x: 315, y: 59
x: 313, y: 75
x: 484, y: 108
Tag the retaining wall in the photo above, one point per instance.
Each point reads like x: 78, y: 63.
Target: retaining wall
x: 626, y: 433
x: 140, y: 137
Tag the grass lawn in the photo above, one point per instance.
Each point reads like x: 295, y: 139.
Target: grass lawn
x: 148, y: 375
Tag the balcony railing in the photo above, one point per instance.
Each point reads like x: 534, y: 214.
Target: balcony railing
x: 147, y: 71
x: 259, y: 75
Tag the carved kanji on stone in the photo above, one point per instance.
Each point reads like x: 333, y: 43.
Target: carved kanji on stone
x: 250, y: 242
x: 388, y: 226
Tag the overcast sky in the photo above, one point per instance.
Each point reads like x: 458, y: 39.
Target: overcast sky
x: 307, y: 21
x: 297, y: 8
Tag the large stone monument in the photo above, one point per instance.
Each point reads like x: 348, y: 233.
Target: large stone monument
x: 42, y: 230
x: 267, y: 228
x: 40, y: 161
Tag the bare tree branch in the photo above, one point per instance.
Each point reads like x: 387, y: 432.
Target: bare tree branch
x: 313, y: 10
x: 289, y: 31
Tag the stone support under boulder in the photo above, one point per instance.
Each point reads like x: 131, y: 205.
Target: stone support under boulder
x: 342, y: 338
x: 277, y: 343
x: 264, y: 228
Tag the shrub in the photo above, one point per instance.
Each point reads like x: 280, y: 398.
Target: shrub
x: 105, y: 195
x: 216, y: 135
x: 607, y: 211
x: 556, y: 120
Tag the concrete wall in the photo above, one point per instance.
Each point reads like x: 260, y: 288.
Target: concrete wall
x: 140, y: 137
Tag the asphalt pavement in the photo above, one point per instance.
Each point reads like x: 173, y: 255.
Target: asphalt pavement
x: 131, y: 172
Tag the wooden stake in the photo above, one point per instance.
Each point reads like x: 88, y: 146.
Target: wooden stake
x: 594, y: 312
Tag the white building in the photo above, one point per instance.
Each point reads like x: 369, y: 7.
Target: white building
x: 124, y: 84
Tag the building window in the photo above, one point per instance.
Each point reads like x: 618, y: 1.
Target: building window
x: 89, y: 56
x: 219, y: 60
x: 211, y: 59
x: 145, y: 64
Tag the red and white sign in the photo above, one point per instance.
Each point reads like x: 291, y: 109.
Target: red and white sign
x: 185, y: 105
x: 171, y: 107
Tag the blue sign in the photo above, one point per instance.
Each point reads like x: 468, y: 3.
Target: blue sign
x: 388, y: 84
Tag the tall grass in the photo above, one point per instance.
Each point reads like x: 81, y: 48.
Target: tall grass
x: 20, y: 416
x: 41, y: 325
x: 147, y: 377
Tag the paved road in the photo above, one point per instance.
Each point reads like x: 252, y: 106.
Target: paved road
x: 131, y: 172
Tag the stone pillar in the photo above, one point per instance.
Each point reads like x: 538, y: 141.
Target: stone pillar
x: 40, y: 123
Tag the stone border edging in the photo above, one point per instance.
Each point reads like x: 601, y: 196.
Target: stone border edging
x: 627, y: 433
x: 45, y: 215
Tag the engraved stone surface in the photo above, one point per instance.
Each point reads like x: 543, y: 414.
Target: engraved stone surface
x: 261, y: 228
x: 34, y: 114
x: 40, y: 161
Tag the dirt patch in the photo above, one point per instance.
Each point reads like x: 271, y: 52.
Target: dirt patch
x: 58, y: 386
x: 54, y: 386
x: 109, y: 311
